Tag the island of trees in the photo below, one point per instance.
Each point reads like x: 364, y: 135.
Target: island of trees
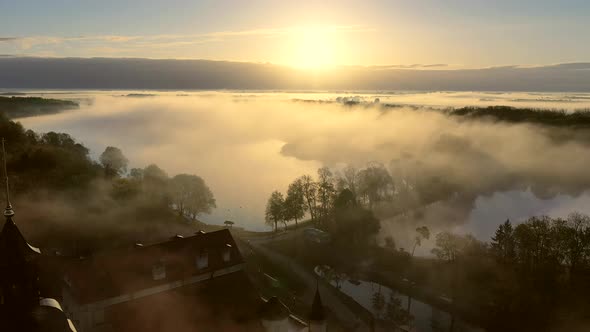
x: 20, y: 107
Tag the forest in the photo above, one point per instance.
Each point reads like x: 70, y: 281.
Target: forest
x: 64, y: 199
x: 510, y: 283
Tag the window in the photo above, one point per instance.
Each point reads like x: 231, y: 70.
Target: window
x: 98, y: 317
x: 159, y: 271
x: 203, y: 260
x: 227, y: 253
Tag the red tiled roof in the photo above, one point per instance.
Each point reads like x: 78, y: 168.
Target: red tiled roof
x: 120, y: 272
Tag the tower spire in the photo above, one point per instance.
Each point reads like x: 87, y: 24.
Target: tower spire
x: 317, y: 308
x: 8, y: 212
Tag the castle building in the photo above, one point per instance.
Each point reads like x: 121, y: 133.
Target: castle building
x: 185, y: 284
x: 195, y: 283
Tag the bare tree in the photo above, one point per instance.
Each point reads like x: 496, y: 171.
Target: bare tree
x: 295, y: 201
x: 310, y: 188
x: 325, y: 192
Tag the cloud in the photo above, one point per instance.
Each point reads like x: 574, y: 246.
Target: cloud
x: 435, y: 65
x: 129, y: 73
x: 291, y: 30
x: 412, y: 66
x: 170, y: 40
x: 574, y: 66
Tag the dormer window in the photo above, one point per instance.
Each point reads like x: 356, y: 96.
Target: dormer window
x: 159, y: 271
x: 203, y: 260
x: 226, y: 253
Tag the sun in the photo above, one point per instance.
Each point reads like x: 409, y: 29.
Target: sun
x: 314, y: 48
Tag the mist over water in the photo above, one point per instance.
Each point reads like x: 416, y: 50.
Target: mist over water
x: 245, y: 145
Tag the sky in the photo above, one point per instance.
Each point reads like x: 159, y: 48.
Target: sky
x: 305, y: 34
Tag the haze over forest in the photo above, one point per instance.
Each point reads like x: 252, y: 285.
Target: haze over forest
x: 339, y: 165
x: 210, y: 134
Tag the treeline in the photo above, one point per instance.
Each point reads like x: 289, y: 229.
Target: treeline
x: 338, y: 202
x: 19, y: 107
x: 66, y: 200
x: 188, y: 194
x: 557, y: 118
x: 531, y: 277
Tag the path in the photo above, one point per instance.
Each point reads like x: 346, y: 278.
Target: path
x: 342, y: 312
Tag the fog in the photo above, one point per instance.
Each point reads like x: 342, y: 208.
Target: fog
x: 245, y: 145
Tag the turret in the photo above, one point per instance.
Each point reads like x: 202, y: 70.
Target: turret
x: 18, y: 269
x: 22, y: 308
x: 317, y: 316
x: 274, y: 315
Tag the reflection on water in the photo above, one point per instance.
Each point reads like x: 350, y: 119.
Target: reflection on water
x: 375, y: 297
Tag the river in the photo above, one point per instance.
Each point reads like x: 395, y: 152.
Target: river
x: 426, y: 318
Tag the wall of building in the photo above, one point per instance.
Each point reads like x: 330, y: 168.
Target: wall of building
x: 91, y: 317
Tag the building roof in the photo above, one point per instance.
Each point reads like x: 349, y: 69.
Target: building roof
x: 317, y: 309
x: 27, y: 311
x: 14, y: 249
x: 128, y: 270
x: 225, y: 303
x: 274, y: 309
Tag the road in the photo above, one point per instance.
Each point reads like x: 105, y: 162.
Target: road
x: 339, y: 309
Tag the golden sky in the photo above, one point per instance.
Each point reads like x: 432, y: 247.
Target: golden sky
x: 304, y: 33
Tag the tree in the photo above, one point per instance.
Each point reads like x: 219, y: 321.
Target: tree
x: 155, y: 182
x: 325, y: 192
x: 309, y: 193
x: 345, y: 199
x: 191, y: 195
x: 136, y: 174
x: 535, y: 245
x: 125, y: 189
x: 574, y: 238
x: 389, y: 242
x: 229, y: 223
x: 275, y: 210
x: 378, y: 300
x: 295, y: 201
x: 422, y: 233
x: 450, y: 246
x: 154, y: 175
x: 114, y: 162
x: 350, y: 177
x: 375, y: 184
x: 502, y: 244
x: 352, y: 224
x: 394, y: 313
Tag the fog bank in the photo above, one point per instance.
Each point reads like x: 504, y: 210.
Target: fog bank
x: 247, y: 145
x: 125, y: 73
